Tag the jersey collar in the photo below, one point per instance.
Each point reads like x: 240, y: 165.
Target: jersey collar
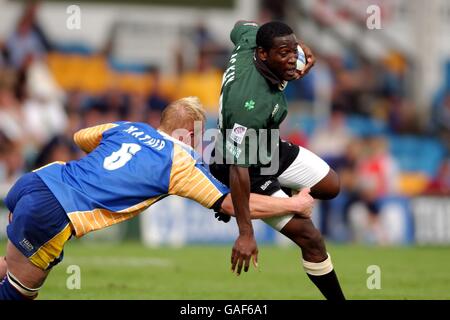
x: 194, y: 154
x: 169, y: 137
x: 268, y: 74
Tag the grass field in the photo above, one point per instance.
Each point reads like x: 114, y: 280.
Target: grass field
x: 132, y: 271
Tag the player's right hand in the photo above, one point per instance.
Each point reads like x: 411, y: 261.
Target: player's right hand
x: 243, y: 251
x: 304, y: 203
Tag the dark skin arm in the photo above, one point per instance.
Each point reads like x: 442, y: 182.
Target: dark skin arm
x: 245, y: 245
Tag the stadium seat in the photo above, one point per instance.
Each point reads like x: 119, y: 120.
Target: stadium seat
x: 417, y: 154
x: 412, y: 183
x: 205, y: 85
x: 74, y: 48
x: 363, y: 126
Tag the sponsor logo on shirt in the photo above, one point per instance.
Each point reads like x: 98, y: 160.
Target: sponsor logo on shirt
x: 275, y: 110
x: 238, y: 133
x: 266, y: 184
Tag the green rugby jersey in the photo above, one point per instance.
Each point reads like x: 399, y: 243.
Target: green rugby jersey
x: 248, y: 103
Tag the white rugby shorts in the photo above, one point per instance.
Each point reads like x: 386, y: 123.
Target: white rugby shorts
x: 304, y: 172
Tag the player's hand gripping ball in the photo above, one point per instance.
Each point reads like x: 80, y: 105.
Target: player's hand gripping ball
x: 301, y: 59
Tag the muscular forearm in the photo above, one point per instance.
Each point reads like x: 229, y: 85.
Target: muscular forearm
x: 240, y: 194
x: 264, y: 206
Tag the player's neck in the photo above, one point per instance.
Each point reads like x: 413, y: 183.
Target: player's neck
x: 265, y: 71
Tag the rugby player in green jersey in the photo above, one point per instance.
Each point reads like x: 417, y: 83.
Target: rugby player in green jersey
x: 249, y: 155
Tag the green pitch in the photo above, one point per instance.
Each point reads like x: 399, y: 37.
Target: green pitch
x: 132, y: 271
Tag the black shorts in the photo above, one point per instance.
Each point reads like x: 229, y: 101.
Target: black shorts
x: 259, y: 183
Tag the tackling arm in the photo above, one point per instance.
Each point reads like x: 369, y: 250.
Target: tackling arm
x: 265, y: 207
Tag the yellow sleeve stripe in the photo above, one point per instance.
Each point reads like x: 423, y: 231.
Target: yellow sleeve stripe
x: 188, y: 181
x: 213, y: 197
x: 87, y: 221
x: 182, y: 165
x: 207, y: 198
x: 89, y: 138
x: 202, y: 184
x: 197, y: 182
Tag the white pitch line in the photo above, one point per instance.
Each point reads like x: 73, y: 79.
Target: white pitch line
x: 118, y: 261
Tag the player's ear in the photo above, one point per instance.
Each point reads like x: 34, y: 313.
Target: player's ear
x: 262, y: 54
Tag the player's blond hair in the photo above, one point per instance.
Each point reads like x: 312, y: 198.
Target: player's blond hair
x: 182, y: 113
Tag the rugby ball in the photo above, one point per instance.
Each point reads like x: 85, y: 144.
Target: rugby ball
x: 301, y: 59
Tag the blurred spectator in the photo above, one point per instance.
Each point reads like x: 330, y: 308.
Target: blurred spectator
x: 273, y: 10
x: 440, y: 184
x: 97, y: 114
x: 76, y: 101
x: 330, y: 140
x: 12, y: 165
x: 44, y: 114
x: 28, y: 39
x: 377, y: 171
x: 74, y: 123
x: 156, y: 100
x: 346, y: 83
x: 114, y: 101
x: 393, y: 75
x: 2, y: 54
x: 376, y: 176
x: 209, y: 47
x: 296, y: 136
x: 203, y: 82
x: 59, y: 148
x: 137, y: 107
x: 440, y: 118
x: 11, y: 117
x: 323, y: 87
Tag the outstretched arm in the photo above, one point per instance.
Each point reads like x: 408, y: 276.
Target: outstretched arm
x: 265, y: 207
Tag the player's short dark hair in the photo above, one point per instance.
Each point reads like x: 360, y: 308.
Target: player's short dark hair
x: 270, y: 30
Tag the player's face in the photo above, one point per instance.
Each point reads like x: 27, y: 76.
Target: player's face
x: 282, y: 57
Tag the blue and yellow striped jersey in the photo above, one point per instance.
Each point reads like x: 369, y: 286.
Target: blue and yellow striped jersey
x: 129, y: 167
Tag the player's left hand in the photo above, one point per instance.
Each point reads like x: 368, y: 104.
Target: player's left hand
x: 244, y: 250
x: 310, y: 60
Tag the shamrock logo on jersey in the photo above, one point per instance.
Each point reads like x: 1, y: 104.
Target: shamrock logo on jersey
x: 249, y: 105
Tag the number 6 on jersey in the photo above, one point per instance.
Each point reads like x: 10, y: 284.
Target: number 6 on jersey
x: 119, y: 158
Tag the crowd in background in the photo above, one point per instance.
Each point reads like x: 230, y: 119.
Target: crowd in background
x: 38, y: 116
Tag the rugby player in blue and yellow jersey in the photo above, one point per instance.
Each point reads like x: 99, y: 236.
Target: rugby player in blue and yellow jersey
x: 129, y: 167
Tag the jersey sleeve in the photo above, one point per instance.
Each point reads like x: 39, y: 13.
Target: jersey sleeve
x: 244, y: 32
x: 89, y: 138
x: 191, y: 179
